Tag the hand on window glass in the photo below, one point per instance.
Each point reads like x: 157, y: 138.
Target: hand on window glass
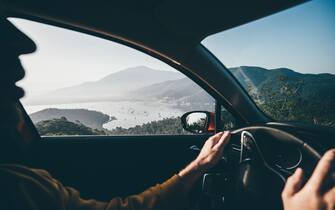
x: 319, y: 191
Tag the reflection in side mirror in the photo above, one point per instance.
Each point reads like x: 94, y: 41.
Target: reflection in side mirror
x: 199, y: 122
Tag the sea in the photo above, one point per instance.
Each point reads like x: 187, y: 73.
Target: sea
x: 128, y: 113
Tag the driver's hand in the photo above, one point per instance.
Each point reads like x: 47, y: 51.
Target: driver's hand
x: 319, y: 191
x: 209, y: 155
x: 212, y: 150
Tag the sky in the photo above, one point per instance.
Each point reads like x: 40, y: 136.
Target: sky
x: 301, y: 38
x: 65, y: 58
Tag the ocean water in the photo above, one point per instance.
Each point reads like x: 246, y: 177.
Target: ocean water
x: 128, y: 113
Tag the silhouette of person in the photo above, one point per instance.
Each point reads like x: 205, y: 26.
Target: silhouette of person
x: 12, y: 125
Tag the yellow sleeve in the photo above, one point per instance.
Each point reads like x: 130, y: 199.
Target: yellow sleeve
x: 32, y: 189
x: 169, y: 195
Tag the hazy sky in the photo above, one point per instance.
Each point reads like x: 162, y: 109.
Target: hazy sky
x: 301, y: 38
x: 65, y: 58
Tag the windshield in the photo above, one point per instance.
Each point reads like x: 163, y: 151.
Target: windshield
x: 286, y: 62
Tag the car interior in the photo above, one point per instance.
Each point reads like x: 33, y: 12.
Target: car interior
x: 103, y: 167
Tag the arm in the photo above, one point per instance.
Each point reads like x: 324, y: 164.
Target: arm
x: 172, y: 194
x: 36, y: 189
x: 319, y: 191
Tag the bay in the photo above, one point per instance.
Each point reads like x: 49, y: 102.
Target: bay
x: 128, y: 113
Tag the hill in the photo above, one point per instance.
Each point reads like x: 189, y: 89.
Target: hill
x: 184, y: 93
x: 286, y: 95
x: 61, y: 127
x: 92, y: 119
x: 282, y: 93
x: 144, y: 83
x: 167, y: 126
x: 112, y: 87
x: 255, y: 78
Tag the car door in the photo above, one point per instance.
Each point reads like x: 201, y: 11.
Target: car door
x: 108, y: 116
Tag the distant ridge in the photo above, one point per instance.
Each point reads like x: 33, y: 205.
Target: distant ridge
x: 120, y: 82
x: 185, y: 93
x: 149, y: 84
x: 112, y: 87
x: 257, y: 77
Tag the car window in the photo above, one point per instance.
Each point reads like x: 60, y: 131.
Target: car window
x: 228, y: 121
x: 78, y: 84
x: 285, y: 62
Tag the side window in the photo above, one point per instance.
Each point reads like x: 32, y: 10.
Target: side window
x: 227, y: 119
x: 77, y: 84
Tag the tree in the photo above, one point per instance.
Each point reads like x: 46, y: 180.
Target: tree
x: 284, y: 100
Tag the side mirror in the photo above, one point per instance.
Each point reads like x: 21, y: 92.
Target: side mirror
x: 199, y: 122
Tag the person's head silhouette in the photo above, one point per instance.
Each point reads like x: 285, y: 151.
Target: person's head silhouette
x: 14, y: 134
x: 13, y: 43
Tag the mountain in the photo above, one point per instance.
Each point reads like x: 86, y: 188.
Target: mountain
x: 282, y: 93
x: 251, y: 78
x: 255, y: 78
x: 120, y: 82
x: 259, y: 82
x: 112, y: 87
x: 92, y: 119
x: 287, y: 95
x: 182, y: 92
x: 149, y: 84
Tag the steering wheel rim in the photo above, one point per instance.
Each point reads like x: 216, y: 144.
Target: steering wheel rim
x: 290, y: 138
x: 282, y: 135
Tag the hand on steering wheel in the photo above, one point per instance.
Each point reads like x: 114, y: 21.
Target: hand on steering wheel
x: 212, y: 151
x: 319, y: 191
x: 255, y: 183
x: 254, y: 180
x: 210, y: 154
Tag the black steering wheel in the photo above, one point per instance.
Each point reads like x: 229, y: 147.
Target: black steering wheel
x: 253, y: 183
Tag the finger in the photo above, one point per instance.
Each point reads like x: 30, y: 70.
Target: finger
x: 322, y: 170
x: 215, y: 138
x: 223, y: 141
x: 331, y: 193
x: 293, y: 184
x: 329, y: 197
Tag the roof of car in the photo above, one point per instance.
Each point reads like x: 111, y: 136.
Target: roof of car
x: 188, y: 20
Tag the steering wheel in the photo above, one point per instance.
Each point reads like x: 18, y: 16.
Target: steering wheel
x: 254, y: 183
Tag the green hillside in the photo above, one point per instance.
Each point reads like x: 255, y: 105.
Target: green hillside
x: 89, y: 118
x: 165, y: 126
x: 61, y: 126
